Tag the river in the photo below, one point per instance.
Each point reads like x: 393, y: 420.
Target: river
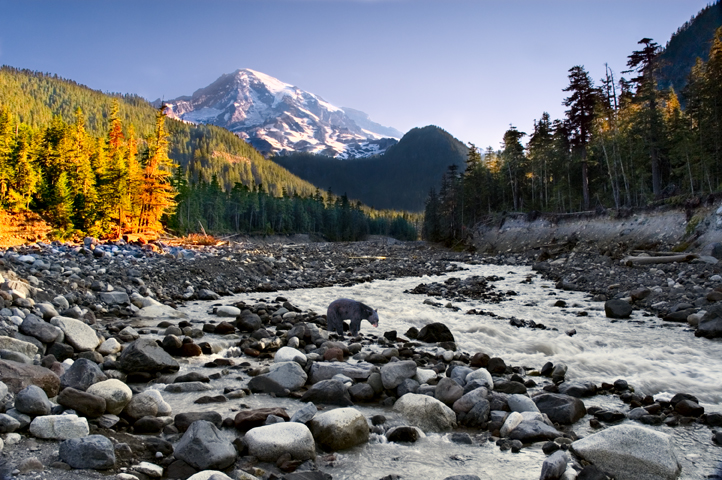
x: 655, y: 357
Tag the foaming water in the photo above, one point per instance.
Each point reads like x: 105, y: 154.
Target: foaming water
x: 655, y: 357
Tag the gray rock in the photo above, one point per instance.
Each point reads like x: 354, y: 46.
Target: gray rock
x: 289, y: 375
x: 32, y: 401
x: 468, y: 400
x: 448, y: 391
x: 710, y: 325
x: 427, y: 413
x: 330, y: 392
x: 327, y: 370
x: 617, y: 309
x: 59, y: 427
x: 205, y: 294
x: 15, y: 345
x: 554, y: 466
x: 145, y: 355
x: 521, y: 403
x: 264, y: 384
x: 8, y: 424
x: 630, y: 452
x: 478, y: 415
x: 40, y: 329
x: 184, y: 420
x: 203, y: 447
x: 77, y: 334
x: 187, y: 387
x: 269, y: 442
x: 392, y: 374
x: 15, y: 357
x: 529, y: 431
x: 95, y: 452
x: 460, y: 373
x: 339, y: 429
x: 563, y: 409
x: 142, y: 405
x: 115, y: 298
x: 578, y: 389
x: 481, y: 376
x: 305, y: 413
x: 82, y: 374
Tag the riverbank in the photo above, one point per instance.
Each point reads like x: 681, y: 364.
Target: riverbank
x: 108, y: 287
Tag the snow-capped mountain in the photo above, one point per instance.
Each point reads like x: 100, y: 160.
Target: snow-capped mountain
x: 276, y: 117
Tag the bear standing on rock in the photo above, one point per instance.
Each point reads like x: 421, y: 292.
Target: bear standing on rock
x: 343, y: 309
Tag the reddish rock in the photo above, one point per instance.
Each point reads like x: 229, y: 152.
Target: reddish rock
x: 333, y: 354
x: 249, y: 419
x: 224, y: 328
x: 19, y: 375
x: 479, y: 360
x: 190, y: 350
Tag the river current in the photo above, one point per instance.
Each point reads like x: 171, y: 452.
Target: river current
x: 655, y: 357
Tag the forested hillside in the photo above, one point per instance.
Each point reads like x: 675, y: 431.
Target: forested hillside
x: 691, y: 41
x: 400, y: 179
x: 99, y: 164
x: 623, y: 143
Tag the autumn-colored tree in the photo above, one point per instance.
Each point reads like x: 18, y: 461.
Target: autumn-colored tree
x: 157, y: 196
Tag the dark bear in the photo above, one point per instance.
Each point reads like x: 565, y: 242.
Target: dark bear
x: 343, y: 309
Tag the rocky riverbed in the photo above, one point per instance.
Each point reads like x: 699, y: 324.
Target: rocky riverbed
x: 88, y: 330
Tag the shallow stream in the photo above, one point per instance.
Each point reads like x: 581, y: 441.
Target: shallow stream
x: 655, y: 357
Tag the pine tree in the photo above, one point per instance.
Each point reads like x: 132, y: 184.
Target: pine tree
x: 581, y: 115
x: 6, y: 146
x: 643, y: 62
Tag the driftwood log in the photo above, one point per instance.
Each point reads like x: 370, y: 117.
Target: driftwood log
x: 631, y: 261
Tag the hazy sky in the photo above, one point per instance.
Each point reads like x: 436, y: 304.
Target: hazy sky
x: 472, y: 67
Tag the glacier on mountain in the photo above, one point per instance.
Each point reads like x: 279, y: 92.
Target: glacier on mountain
x: 279, y: 118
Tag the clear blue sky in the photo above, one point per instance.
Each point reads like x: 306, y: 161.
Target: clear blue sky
x: 472, y: 67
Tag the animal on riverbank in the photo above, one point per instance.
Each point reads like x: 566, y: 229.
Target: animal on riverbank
x: 345, y: 308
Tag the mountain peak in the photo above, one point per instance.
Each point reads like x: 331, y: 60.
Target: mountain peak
x: 276, y: 117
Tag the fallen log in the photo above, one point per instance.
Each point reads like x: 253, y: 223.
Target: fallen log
x: 631, y: 261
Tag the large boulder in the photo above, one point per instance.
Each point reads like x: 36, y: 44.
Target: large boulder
x: 448, y: 391
x: 82, y: 374
x: 116, y: 394
x: 435, y: 332
x: 578, y: 389
x: 59, y: 427
x: 617, y: 309
x: 425, y: 412
x: 289, y: 375
x: 630, y: 452
x: 145, y: 355
x: 94, y: 451
x: 269, y: 442
x: 329, y: 392
x: 78, y: 335
x: 521, y: 403
x: 554, y: 466
x: 339, y: 429
x: 18, y: 376
x: 563, y: 409
x: 203, y: 447
x: 394, y: 373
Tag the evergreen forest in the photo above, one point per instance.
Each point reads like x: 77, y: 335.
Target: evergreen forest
x: 107, y: 164
x: 624, y: 142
